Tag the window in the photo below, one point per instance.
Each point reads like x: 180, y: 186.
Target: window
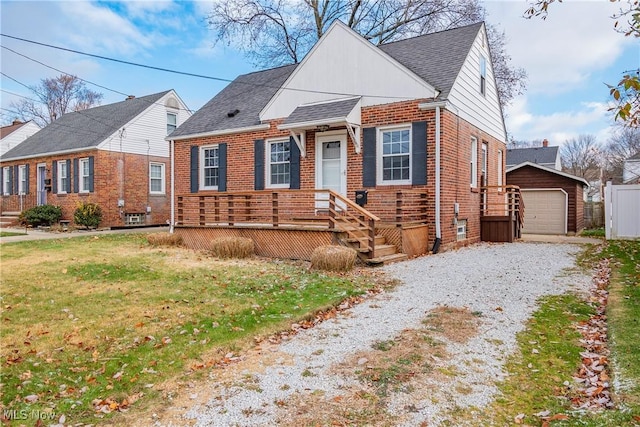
x: 156, y: 178
x: 394, y: 148
x: 63, y: 177
x: 209, y: 167
x: 474, y: 163
x: 484, y: 165
x: 500, y: 160
x: 278, y: 164
x: 172, y: 122
x: 6, y: 180
x: 22, y: 179
x: 483, y: 75
x: 461, y: 229
x: 83, y: 175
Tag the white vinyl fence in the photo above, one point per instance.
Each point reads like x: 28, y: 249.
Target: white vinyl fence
x: 622, y: 211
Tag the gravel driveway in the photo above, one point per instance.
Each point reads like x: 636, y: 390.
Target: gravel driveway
x: 500, y: 283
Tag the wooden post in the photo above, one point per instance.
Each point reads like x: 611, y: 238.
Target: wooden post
x: 216, y: 208
x: 274, y: 209
x: 372, y: 238
x: 398, y: 208
x: 180, y: 219
x: 202, y: 210
x: 332, y: 210
x: 230, y: 208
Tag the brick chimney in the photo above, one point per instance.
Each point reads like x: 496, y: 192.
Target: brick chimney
x: 131, y: 97
x: 545, y: 143
x: 16, y: 122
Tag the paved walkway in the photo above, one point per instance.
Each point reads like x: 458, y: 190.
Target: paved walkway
x: 46, y: 235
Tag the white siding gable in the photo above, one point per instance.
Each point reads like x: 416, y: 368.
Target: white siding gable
x: 482, y: 111
x: 631, y: 172
x: 17, y: 136
x: 343, y: 63
x: 145, y: 134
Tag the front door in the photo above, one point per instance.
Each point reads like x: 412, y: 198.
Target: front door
x: 42, y: 193
x: 331, y: 164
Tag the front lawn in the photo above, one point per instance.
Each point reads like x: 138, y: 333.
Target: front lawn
x: 93, y: 325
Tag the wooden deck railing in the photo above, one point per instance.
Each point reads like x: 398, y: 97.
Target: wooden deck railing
x: 502, y: 200
x: 399, y: 207
x: 280, y: 208
x: 18, y: 202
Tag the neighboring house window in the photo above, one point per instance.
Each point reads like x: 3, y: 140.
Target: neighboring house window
x: 210, y: 167
x: 500, y: 161
x: 474, y: 163
x: 172, y: 122
x: 394, y: 163
x: 22, y: 179
x: 484, y: 164
x: 483, y: 75
x: 63, y: 177
x: 156, y: 178
x: 278, y: 164
x: 83, y: 176
x: 6, y: 180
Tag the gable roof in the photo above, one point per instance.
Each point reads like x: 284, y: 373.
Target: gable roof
x: 9, y: 129
x: 538, y: 155
x: 436, y: 57
x: 82, y: 129
x: 550, y: 170
x: 248, y: 94
x: 321, y: 110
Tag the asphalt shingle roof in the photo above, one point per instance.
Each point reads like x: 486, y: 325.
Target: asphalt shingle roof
x: 82, y: 129
x: 326, y: 110
x: 437, y: 58
x: 9, y: 129
x: 248, y: 93
x: 539, y: 155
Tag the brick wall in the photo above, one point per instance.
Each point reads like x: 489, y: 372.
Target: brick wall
x: 116, y: 176
x: 455, y: 157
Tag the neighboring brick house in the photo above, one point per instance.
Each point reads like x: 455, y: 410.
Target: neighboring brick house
x: 114, y: 155
x: 417, y: 114
x: 15, y: 133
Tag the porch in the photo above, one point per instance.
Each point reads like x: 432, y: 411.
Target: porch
x: 292, y: 223
x: 501, y: 213
x: 11, y: 206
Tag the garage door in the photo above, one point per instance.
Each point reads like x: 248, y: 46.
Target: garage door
x: 545, y: 211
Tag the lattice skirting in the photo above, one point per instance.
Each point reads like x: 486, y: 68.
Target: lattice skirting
x: 410, y: 240
x: 274, y: 243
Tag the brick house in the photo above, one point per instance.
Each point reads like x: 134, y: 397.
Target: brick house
x: 114, y: 155
x: 16, y: 133
x: 410, y: 130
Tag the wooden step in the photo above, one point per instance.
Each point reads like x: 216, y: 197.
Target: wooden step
x: 387, y: 259
x: 362, y: 241
x: 383, y: 250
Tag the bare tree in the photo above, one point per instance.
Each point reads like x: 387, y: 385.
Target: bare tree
x: 277, y: 32
x: 582, y: 156
x: 623, y: 143
x: 55, y: 97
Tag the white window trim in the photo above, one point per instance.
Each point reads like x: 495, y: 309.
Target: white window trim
x: 173, y: 113
x: 62, y: 189
x: 22, y: 169
x: 483, y: 75
x: 81, y: 188
x: 500, y: 171
x: 379, y: 155
x: 485, y: 164
x: 6, y: 182
x: 162, y: 178
x: 267, y: 163
x: 201, y: 167
x: 474, y: 162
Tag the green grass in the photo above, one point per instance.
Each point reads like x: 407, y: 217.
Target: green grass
x: 595, y: 232
x: 11, y: 233
x: 536, y: 378
x: 96, y: 318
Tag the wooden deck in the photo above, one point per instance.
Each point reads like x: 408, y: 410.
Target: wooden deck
x: 502, y: 213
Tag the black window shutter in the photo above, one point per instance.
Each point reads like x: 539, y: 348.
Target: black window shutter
x: 258, y: 153
x: 54, y: 177
x: 419, y: 153
x: 222, y: 167
x: 76, y: 175
x: 16, y: 178
x: 294, y: 166
x: 68, y: 189
x: 26, y: 184
x: 1, y: 181
x: 369, y: 157
x: 195, y: 185
x: 91, y: 174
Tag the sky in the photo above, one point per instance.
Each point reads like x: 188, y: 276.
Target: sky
x: 569, y: 57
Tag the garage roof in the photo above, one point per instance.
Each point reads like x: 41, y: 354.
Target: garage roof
x: 554, y: 171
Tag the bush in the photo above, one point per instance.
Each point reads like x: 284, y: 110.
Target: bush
x: 41, y: 215
x: 164, y: 239
x: 88, y: 214
x: 333, y: 258
x: 232, y: 247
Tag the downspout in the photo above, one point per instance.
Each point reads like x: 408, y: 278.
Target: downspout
x: 436, y: 243
x: 173, y: 183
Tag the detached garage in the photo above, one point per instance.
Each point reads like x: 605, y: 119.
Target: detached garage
x: 553, y: 200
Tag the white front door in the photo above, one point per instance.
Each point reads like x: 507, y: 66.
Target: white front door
x: 41, y: 176
x: 331, y: 163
